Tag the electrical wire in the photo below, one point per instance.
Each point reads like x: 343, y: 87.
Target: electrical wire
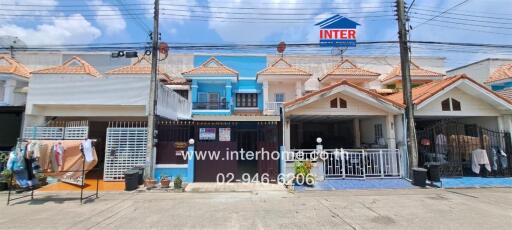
x: 445, y: 11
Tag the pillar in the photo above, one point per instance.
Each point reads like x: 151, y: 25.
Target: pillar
x: 298, y: 89
x: 357, y: 133
x: 9, y: 87
x: 228, y: 95
x: 287, y: 135
x: 193, y: 92
x: 390, y: 131
x: 265, y: 95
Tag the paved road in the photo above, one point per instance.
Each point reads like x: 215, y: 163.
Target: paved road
x: 376, y: 209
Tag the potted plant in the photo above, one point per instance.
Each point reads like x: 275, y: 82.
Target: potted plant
x: 43, y: 179
x: 178, y: 182
x: 149, y: 183
x: 5, y: 176
x: 303, y: 175
x: 164, y: 181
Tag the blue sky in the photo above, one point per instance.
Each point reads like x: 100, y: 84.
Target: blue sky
x: 208, y: 21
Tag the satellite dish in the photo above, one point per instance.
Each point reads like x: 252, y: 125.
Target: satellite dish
x: 338, y: 51
x: 281, y: 47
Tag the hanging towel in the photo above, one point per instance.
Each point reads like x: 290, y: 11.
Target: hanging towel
x: 87, y: 149
x: 479, y: 157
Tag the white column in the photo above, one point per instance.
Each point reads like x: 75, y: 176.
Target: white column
x: 390, y: 131
x: 505, y: 123
x: 298, y: 89
x: 287, y: 134
x: 357, y: 133
x: 265, y: 95
x: 9, y: 87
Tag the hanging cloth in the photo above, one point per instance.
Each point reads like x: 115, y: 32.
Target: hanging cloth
x: 86, y: 146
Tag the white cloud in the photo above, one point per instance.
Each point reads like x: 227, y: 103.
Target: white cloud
x: 111, y: 24
x: 63, y: 30
x: 11, y: 8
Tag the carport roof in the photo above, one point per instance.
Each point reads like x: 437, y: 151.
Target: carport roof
x: 426, y: 91
x: 342, y: 83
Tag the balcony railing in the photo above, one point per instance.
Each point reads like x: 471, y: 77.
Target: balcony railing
x: 210, y: 105
x: 273, y: 107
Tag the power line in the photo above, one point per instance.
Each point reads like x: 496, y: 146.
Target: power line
x: 445, y: 11
x: 137, y: 20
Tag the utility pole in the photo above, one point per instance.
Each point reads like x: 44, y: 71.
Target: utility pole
x: 412, y: 147
x: 150, y: 152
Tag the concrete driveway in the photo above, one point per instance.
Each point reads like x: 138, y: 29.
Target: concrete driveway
x: 352, y: 209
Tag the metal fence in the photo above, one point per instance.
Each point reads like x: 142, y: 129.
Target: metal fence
x: 451, y: 144
x: 353, y: 163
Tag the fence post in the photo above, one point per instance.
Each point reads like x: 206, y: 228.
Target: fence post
x: 342, y: 152
x: 381, y: 159
x: 364, y: 163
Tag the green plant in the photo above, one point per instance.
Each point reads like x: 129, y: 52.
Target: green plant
x: 303, y: 173
x: 178, y: 182
x: 6, y: 174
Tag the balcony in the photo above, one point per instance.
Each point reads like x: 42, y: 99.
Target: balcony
x: 210, y: 106
x: 273, y: 108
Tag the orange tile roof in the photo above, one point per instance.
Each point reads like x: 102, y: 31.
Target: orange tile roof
x: 506, y: 93
x: 70, y: 67
x: 13, y: 67
x: 143, y: 66
x: 424, y: 92
x: 343, y: 82
x: 346, y: 68
x: 416, y: 72
x: 501, y: 73
x: 282, y: 67
x: 211, y: 66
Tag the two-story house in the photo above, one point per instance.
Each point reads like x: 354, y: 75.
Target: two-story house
x: 227, y: 115
x: 14, y: 78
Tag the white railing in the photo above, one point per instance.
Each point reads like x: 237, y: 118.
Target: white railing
x: 353, y: 163
x: 171, y: 105
x: 273, y: 107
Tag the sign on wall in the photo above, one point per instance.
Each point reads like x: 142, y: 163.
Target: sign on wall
x: 207, y: 133
x: 338, y: 31
x: 224, y: 134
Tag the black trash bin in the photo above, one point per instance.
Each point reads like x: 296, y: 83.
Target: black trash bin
x: 419, y: 177
x: 434, y: 173
x: 131, y: 180
x: 140, y: 170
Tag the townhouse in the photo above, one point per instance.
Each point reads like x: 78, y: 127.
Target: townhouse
x: 350, y: 106
x: 14, y: 78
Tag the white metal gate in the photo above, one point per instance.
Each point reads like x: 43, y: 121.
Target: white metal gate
x: 125, y: 148
x: 354, y: 163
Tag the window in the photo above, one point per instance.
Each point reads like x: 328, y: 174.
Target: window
x: 246, y: 100
x: 279, y: 97
x: 445, y: 105
x: 334, y: 103
x: 455, y: 105
x: 343, y: 103
x: 450, y: 104
x: 378, y: 132
x: 338, y: 103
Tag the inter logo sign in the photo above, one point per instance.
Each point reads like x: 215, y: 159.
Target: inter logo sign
x: 338, y: 31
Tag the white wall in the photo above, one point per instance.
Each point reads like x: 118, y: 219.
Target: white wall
x: 2, y: 90
x: 323, y: 107
x: 288, y: 88
x: 470, y: 106
x: 368, y: 130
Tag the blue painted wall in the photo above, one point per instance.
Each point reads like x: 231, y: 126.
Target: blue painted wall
x: 171, y: 173
x: 501, y: 86
x: 247, y: 66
